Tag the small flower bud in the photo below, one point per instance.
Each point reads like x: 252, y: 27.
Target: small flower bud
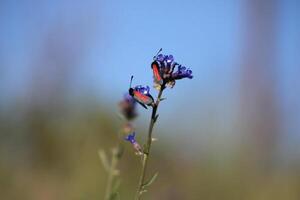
x: 128, y: 107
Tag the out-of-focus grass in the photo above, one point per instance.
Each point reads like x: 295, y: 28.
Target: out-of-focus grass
x: 52, y: 154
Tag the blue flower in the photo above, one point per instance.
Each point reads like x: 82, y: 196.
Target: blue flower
x: 131, y: 138
x: 182, y: 72
x: 164, y: 60
x: 169, y: 59
x: 160, y: 58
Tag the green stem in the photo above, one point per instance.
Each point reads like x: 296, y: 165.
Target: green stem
x: 112, y: 171
x: 148, y: 146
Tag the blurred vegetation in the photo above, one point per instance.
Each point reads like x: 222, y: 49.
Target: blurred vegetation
x: 52, y: 154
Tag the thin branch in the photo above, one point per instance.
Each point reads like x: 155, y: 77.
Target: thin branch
x: 148, y: 146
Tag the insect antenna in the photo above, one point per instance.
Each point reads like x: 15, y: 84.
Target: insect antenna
x: 130, y: 81
x: 157, y: 53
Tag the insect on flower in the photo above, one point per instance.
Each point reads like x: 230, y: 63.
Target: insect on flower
x: 141, y: 94
x: 157, y: 75
x: 163, y: 68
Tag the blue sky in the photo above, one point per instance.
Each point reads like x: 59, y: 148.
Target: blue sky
x: 112, y: 40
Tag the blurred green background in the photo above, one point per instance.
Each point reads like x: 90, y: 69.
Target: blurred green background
x: 232, y: 132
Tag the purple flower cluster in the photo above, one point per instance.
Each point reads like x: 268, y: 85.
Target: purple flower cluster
x: 182, y: 72
x: 166, y: 70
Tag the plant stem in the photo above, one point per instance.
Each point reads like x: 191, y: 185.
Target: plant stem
x: 148, y: 146
x: 112, y: 172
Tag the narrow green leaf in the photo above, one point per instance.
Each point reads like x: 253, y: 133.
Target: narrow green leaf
x: 151, y: 180
x: 103, y: 159
x: 115, y: 193
x: 161, y: 99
